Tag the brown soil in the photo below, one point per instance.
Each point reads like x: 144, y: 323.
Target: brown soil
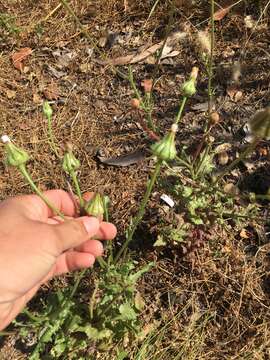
x: 222, y: 290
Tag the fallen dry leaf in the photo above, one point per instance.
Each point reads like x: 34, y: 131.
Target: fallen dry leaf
x: 219, y: 14
x: 234, y: 93
x: 244, y: 234
x: 19, y: 56
x: 144, y: 54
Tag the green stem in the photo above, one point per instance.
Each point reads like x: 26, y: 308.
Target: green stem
x: 242, y: 156
x: 210, y: 64
x: 77, y: 187
x: 134, y: 87
x: 179, y: 114
x: 141, y: 211
x: 78, y: 280
x: 30, y: 181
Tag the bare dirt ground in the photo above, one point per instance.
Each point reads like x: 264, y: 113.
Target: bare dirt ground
x: 218, y: 296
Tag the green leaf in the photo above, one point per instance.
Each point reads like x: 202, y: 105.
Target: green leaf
x: 122, y: 355
x: 135, y: 277
x: 58, y: 349
x: 160, y: 241
x: 95, y: 334
x: 187, y: 191
x: 127, y: 312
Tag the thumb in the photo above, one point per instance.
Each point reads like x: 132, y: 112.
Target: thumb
x: 72, y: 233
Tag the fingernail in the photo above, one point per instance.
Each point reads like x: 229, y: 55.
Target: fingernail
x: 91, y: 224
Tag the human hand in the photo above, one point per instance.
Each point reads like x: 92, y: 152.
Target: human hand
x: 35, y: 246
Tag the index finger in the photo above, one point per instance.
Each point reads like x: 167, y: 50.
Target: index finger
x: 38, y: 210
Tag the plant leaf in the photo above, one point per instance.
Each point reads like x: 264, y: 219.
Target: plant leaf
x: 19, y: 56
x: 127, y: 312
x: 221, y: 13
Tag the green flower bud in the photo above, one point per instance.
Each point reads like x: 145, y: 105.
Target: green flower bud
x: 189, y: 86
x: 95, y: 207
x: 260, y: 124
x: 70, y: 163
x: 47, y: 109
x: 165, y: 148
x: 15, y: 155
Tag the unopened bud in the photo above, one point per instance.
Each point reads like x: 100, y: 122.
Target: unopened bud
x: 260, y: 124
x: 165, y: 148
x: 95, y: 207
x: 214, y: 118
x: 189, y: 86
x: 70, y: 163
x: 47, y: 110
x: 135, y: 103
x: 15, y: 155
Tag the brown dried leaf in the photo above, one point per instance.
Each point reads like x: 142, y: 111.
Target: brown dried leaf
x: 244, y: 234
x: 221, y: 13
x: 234, y: 93
x: 144, y: 54
x: 19, y: 56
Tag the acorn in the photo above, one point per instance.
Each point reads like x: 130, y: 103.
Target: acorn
x: 70, y: 163
x: 260, y: 124
x: 165, y: 148
x: 15, y: 155
x: 95, y: 207
x: 47, y: 110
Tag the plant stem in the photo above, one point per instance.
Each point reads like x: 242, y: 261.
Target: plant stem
x: 77, y: 187
x: 179, y: 114
x: 134, y: 87
x: 78, y: 280
x: 210, y: 63
x: 30, y: 181
x: 141, y: 211
x: 242, y: 156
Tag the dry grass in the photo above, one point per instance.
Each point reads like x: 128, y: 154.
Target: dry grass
x: 214, y: 305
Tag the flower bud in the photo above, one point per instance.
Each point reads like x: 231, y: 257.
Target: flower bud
x: 214, y: 118
x: 135, y: 103
x: 47, y: 110
x: 260, y: 124
x: 15, y: 156
x: 70, y: 163
x: 95, y: 207
x: 189, y: 86
x: 165, y: 148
